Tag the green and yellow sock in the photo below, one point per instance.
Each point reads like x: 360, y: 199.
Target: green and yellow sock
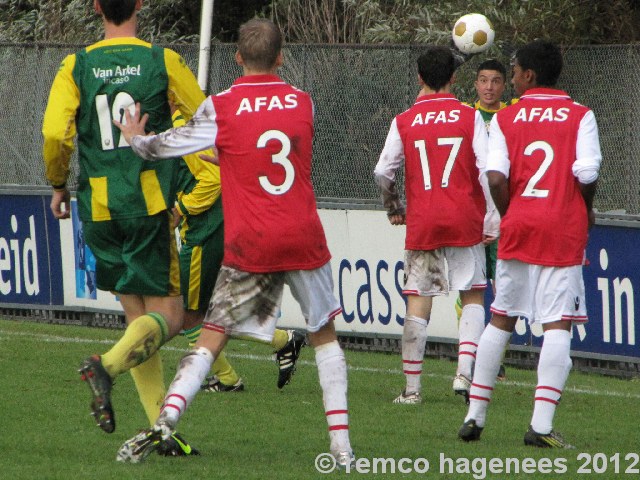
x: 149, y: 380
x: 142, y: 338
x: 222, y: 369
x: 280, y: 339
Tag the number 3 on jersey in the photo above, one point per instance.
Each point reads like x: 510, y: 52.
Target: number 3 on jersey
x: 421, y: 145
x: 106, y: 114
x: 279, y: 158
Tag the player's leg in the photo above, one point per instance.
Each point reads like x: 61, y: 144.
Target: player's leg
x: 564, y: 285
x: 491, y: 252
x: 466, y: 274
x: 235, y: 299
x: 470, y: 329
x: 554, y: 366
x: 313, y: 290
x: 425, y: 274
x: 192, y: 370
x: 148, y: 376
x: 122, y: 249
x: 201, y: 255
x: 514, y: 297
x: 414, y: 340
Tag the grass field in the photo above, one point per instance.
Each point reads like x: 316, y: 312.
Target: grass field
x: 47, y: 433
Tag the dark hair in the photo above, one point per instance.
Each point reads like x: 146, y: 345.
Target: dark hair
x: 544, y: 58
x: 493, y: 64
x: 117, y: 11
x: 436, y: 66
x: 259, y: 43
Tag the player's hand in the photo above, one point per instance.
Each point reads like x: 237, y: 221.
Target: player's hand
x: 59, y: 199
x: 488, y: 240
x: 397, y: 219
x: 176, y: 217
x: 133, y: 124
x: 210, y: 158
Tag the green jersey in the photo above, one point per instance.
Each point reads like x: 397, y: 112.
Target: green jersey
x: 94, y: 87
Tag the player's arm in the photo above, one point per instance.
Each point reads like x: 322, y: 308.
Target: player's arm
x: 390, y: 160
x: 58, y: 131
x: 196, y: 135
x: 207, y: 188
x: 491, y: 229
x: 498, y: 165
x: 183, y: 89
x: 586, y: 168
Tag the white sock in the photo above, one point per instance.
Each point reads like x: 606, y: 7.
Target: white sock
x: 192, y: 370
x: 332, y: 372
x: 414, y: 341
x: 488, y: 358
x: 469, y: 332
x: 553, y: 370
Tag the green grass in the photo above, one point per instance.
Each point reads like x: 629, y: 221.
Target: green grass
x: 46, y: 431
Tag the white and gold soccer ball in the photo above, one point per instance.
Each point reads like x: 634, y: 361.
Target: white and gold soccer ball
x: 473, y: 33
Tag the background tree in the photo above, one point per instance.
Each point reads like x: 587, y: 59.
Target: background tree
x: 568, y: 22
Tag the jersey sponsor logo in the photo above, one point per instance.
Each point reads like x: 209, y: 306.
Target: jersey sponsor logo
x: 117, y: 75
x: 257, y: 104
x: 539, y: 114
x: 451, y: 116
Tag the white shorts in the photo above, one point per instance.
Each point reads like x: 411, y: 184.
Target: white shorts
x: 437, y: 272
x: 541, y: 294
x: 248, y: 304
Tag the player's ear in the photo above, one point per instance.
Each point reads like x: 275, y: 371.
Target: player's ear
x: 239, y: 60
x: 279, y: 60
x: 138, y: 5
x: 96, y: 7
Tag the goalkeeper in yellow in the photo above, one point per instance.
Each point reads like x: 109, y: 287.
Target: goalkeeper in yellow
x: 491, y: 77
x: 124, y: 201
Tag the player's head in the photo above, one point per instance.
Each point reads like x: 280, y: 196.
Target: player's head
x: 491, y: 77
x: 436, y: 67
x: 537, y: 64
x: 259, y: 45
x: 117, y: 11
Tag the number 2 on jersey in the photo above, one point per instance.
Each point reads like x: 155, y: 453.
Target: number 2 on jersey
x: 531, y: 190
x: 281, y: 159
x: 105, y: 115
x: 421, y: 145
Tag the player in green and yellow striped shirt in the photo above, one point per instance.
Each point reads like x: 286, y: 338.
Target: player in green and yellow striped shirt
x: 123, y: 200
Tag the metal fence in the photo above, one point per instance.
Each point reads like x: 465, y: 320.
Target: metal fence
x: 357, y: 90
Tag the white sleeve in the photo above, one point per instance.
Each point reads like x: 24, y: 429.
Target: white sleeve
x: 498, y: 156
x: 196, y: 135
x: 390, y: 160
x: 480, y: 148
x: 588, y: 155
x: 392, y: 154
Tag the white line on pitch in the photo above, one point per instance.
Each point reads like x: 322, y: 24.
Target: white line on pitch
x: 268, y: 358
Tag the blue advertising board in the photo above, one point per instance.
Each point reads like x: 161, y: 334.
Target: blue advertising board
x: 611, y: 277
x: 30, y: 263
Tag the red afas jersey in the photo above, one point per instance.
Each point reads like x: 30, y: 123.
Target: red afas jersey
x: 262, y: 129
x: 443, y: 145
x: 543, y: 144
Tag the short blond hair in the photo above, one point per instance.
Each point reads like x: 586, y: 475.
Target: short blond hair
x: 259, y: 43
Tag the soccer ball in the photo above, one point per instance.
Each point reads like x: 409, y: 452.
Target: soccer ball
x: 473, y: 33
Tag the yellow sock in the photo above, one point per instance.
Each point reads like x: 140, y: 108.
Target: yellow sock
x: 458, y: 309
x: 222, y: 369
x: 149, y: 380
x: 142, y: 338
x: 280, y: 339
